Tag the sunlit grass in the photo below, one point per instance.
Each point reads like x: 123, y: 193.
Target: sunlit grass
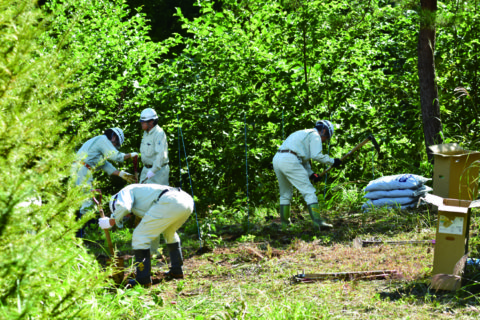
x: 249, y: 275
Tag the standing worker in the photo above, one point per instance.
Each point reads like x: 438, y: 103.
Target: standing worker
x: 154, y: 150
x: 292, y: 167
x: 93, y: 155
x: 163, y: 211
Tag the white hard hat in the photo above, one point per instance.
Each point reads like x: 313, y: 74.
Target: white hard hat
x: 112, y: 203
x: 147, y: 115
x: 325, y: 124
x: 119, y: 133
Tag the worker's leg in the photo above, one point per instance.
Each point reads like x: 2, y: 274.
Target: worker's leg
x: 280, y: 162
x: 176, y: 261
x: 297, y: 175
x: 318, y: 221
x: 161, y: 176
x: 285, y: 189
x: 143, y: 268
x: 143, y: 175
x: 166, y: 216
x: 184, y: 208
x: 85, y: 179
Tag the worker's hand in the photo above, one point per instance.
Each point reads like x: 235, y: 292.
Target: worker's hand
x: 127, y: 176
x: 104, y: 223
x: 336, y: 163
x: 150, y: 174
x: 315, y: 177
x: 133, y: 154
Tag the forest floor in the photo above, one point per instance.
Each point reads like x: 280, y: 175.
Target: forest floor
x: 257, y: 276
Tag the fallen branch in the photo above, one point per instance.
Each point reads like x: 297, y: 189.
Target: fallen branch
x: 354, y: 275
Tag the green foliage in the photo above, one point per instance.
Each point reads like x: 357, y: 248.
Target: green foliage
x: 247, y: 238
x: 250, y: 74
x: 457, y: 63
x: 44, y: 273
x: 118, y: 68
x: 255, y: 72
x: 118, y: 61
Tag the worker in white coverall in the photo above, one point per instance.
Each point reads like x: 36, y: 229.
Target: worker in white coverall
x: 163, y: 210
x: 154, y: 152
x: 292, y: 167
x: 153, y: 149
x: 92, y: 156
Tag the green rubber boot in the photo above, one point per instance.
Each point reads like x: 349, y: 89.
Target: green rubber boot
x: 318, y: 222
x: 285, y: 215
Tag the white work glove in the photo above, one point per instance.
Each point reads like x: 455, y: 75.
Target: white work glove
x: 133, y: 154
x: 150, y: 174
x: 127, y: 176
x: 104, y: 223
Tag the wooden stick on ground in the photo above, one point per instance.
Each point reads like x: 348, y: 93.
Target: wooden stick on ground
x: 359, y: 243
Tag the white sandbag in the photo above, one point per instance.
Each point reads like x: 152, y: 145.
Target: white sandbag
x: 399, y: 181
x: 398, y: 193
x: 393, y: 201
x: 369, y: 205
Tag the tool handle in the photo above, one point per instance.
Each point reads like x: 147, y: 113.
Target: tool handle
x: 135, y: 167
x: 99, y: 191
x: 109, y: 241
x: 358, y: 146
x: 325, y: 172
x: 102, y: 214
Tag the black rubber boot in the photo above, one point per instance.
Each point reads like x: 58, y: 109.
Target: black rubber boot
x: 144, y: 266
x: 176, y: 260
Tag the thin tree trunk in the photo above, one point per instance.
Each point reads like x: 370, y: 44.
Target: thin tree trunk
x: 432, y: 125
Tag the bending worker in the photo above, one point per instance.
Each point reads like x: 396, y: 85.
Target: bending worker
x: 292, y: 167
x: 93, y: 155
x: 154, y: 150
x: 163, y: 210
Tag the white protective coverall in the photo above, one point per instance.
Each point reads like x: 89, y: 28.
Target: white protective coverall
x: 164, y: 215
x: 94, y: 154
x: 154, y: 152
x: 295, y: 170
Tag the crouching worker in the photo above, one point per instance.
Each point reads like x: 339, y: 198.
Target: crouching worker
x: 163, y: 211
x: 93, y: 156
x: 292, y: 168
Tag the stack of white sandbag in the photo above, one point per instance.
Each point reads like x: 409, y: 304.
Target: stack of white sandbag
x: 398, y: 191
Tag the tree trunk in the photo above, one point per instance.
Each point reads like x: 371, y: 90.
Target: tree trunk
x: 432, y: 125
